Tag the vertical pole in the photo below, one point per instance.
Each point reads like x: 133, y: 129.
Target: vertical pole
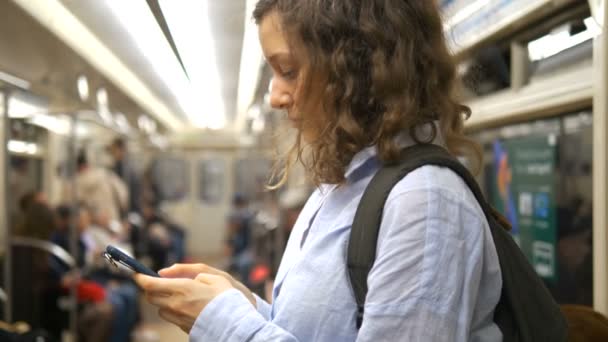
x: 74, y: 235
x: 519, y: 65
x: 600, y: 164
x: 8, y: 262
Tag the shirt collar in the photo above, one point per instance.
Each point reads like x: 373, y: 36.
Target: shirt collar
x: 359, y: 159
x: 404, y: 140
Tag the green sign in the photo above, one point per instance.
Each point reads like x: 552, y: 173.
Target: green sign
x: 525, y: 193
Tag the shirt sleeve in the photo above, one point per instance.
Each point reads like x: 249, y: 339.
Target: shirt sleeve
x: 424, y: 235
x: 230, y: 317
x: 263, y: 307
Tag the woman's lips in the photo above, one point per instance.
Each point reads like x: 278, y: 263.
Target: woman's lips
x: 294, y: 119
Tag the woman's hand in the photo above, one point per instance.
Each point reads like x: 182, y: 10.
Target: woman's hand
x: 190, y: 271
x: 180, y: 301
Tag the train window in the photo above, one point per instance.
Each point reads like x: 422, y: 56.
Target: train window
x: 566, y: 46
x: 28, y: 134
x: 488, y: 71
x: 539, y: 175
x: 171, y: 178
x: 211, y: 181
x: 555, y: 42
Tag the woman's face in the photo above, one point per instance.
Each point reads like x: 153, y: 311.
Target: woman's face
x: 288, y: 73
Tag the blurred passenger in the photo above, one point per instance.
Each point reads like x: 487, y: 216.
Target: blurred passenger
x: 19, y: 188
x: 178, y: 242
x: 31, y: 197
x: 239, y: 236
x: 156, y: 235
x: 264, y: 232
x: 61, y: 236
x: 37, y: 217
x: 105, y: 231
x: 163, y: 240
x: 119, y: 292
x: 574, y: 257
x: 124, y: 170
x: 151, y: 189
x: 95, y: 312
x: 101, y: 189
x: 291, y: 203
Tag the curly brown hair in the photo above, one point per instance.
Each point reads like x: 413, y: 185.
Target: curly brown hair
x: 387, y: 70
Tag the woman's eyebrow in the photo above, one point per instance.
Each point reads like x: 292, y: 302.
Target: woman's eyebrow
x: 275, y: 56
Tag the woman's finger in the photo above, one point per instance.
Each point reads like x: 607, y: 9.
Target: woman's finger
x: 209, y: 279
x: 160, y: 300
x: 190, y: 271
x: 159, y: 285
x: 183, y: 271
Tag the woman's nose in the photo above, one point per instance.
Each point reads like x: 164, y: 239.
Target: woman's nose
x: 280, y: 98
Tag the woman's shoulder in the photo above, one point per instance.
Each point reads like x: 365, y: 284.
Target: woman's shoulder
x: 440, y: 189
x: 431, y: 178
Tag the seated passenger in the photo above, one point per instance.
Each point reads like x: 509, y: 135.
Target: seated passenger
x: 95, y: 312
x: 35, y: 218
x: 157, y: 237
x: 105, y: 231
x: 119, y: 292
x: 238, y: 239
x: 178, y: 242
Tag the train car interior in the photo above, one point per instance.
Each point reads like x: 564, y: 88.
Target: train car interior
x: 148, y: 125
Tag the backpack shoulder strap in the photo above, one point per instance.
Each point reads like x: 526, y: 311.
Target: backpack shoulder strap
x: 366, y: 224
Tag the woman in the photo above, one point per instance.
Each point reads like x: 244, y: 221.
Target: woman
x: 360, y: 80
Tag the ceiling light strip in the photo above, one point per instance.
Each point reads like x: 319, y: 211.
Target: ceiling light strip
x: 55, y: 17
x: 191, y: 29
x: 252, y: 59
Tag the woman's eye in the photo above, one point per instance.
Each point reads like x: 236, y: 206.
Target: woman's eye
x: 290, y: 74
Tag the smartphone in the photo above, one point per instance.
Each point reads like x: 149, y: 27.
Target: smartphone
x: 116, y: 256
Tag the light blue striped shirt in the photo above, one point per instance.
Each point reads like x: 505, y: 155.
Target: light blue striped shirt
x: 436, y: 275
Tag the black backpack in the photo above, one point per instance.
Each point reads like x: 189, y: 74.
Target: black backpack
x: 526, y: 311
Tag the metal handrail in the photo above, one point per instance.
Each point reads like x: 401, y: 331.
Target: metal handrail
x: 46, y: 246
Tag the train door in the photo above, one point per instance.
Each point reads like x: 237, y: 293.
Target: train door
x: 213, y: 175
